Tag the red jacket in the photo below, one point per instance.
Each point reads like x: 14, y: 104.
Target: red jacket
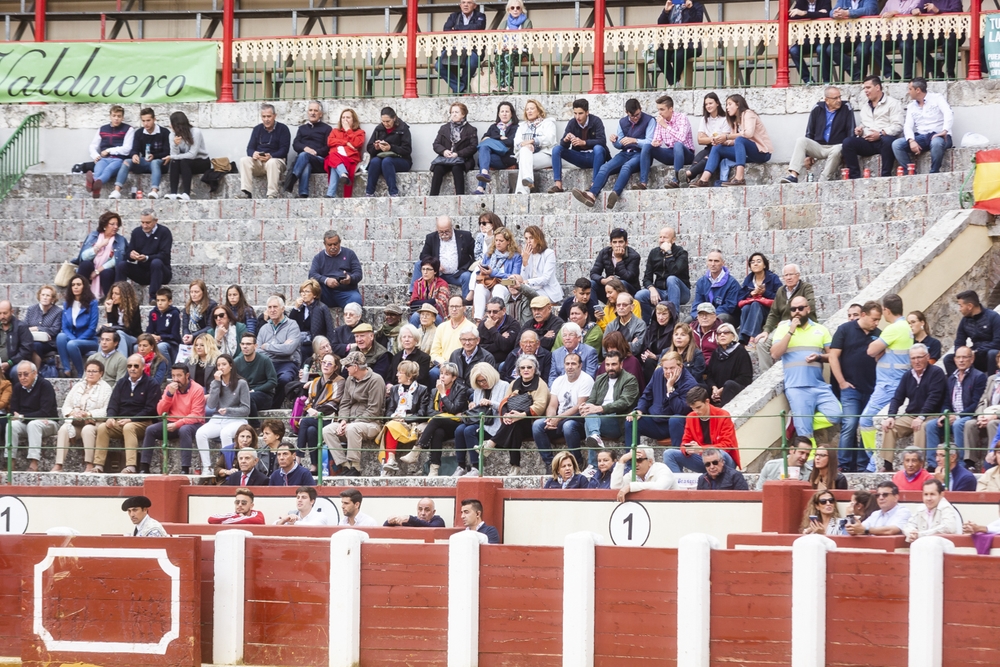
x: 722, y: 431
x: 234, y: 517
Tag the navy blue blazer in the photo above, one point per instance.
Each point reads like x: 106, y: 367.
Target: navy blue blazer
x: 257, y: 478
x: 973, y: 387
x: 490, y: 532
x: 299, y: 476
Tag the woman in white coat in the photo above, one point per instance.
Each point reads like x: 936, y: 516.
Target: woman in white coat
x: 538, y: 265
x: 533, y: 142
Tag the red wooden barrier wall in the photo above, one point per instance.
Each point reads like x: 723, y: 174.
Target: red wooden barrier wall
x: 635, y: 607
x: 10, y: 596
x: 971, y: 610
x: 751, y: 607
x: 404, y: 604
x: 867, y: 603
x: 287, y: 601
x: 207, y: 597
x: 520, y: 606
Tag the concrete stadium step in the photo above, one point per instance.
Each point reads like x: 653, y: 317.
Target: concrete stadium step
x: 417, y: 183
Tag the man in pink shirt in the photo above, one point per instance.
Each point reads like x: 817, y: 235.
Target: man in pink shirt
x: 672, y: 142
x: 184, y: 402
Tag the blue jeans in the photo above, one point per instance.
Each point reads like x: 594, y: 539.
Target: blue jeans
x: 155, y: 168
x: 340, y: 297
x: 125, y: 343
x: 675, y: 460
x: 457, y: 76
x: 571, y: 430
x: 583, y: 159
x: 676, y: 293
x: 607, y: 426
x: 386, y: 167
x: 879, y: 399
x: 742, y: 151
x: 303, y: 169
x: 466, y: 442
x: 106, y: 168
x: 625, y: 163
x: 752, y: 318
x: 927, y: 142
x: 935, y: 436
x: 806, y: 401
x: 71, y: 351
x: 308, y: 439
x: 677, y: 155
x: 852, y: 456
x: 331, y: 189
x: 490, y: 152
x: 658, y: 428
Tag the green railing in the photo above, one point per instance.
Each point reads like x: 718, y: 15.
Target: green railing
x: 19, y: 153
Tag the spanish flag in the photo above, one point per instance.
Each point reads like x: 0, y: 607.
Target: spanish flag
x: 986, y: 183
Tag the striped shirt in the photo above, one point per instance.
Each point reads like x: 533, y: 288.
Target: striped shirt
x: 810, y: 338
x: 892, y: 365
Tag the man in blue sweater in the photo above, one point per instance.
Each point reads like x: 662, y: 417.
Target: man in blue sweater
x: 338, y: 272
x: 266, y: 153
x: 583, y: 144
x: 289, y: 472
x: 982, y: 327
x: 148, y: 254
x: 717, y: 287
x: 665, y: 398
x: 310, y: 144
x: 635, y: 130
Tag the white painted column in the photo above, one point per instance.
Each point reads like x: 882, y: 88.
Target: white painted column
x: 463, y: 598
x: 809, y: 600
x: 229, y: 596
x: 694, y: 603
x: 927, y: 600
x: 579, y: 572
x: 345, y: 597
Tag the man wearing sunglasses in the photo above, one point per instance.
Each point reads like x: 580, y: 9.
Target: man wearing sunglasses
x: 800, y: 344
x: 649, y: 474
x: 891, y: 517
x: 243, y: 513
x: 718, y: 476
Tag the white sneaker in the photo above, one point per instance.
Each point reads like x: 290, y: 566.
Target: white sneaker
x: 433, y: 470
x: 170, y: 196
x: 514, y: 471
x: 115, y: 194
x: 473, y: 472
x: 412, y: 457
x: 154, y: 194
x: 459, y: 471
x: 184, y: 197
x: 594, y: 442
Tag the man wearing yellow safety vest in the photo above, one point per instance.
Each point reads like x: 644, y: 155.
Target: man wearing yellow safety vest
x: 892, y: 352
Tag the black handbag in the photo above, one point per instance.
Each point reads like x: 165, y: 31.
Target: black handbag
x: 518, y: 403
x: 471, y: 417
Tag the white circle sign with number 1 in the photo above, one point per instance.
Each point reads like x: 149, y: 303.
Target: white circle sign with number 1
x: 13, y: 516
x: 629, y: 525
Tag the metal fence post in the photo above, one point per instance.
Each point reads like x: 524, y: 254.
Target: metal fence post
x: 947, y: 449
x: 319, y: 448
x: 635, y: 440
x: 165, y: 464
x: 784, y: 444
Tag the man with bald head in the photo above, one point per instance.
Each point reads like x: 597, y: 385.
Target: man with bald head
x: 718, y: 287
x: 32, y: 402
x: 131, y: 409
x: 830, y: 122
x: 666, y: 275
x: 530, y: 344
x: 453, y: 248
x: 793, y: 286
x: 425, y: 517
x: 16, y: 341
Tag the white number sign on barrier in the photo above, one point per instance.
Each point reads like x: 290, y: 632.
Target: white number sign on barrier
x: 629, y: 525
x: 13, y: 516
x: 329, y: 509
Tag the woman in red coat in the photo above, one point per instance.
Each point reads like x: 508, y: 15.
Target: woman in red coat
x: 346, y: 142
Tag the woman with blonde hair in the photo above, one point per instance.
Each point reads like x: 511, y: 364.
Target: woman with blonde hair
x: 502, y: 260
x: 197, y: 316
x: 684, y: 345
x: 488, y: 392
x: 201, y: 363
x: 346, y: 141
x: 85, y: 403
x: 566, y: 473
x: 533, y: 144
x: 508, y: 59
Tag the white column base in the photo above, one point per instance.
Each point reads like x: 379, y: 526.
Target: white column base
x: 578, y: 599
x: 463, y: 598
x: 694, y: 601
x: 345, y: 597
x: 229, y: 597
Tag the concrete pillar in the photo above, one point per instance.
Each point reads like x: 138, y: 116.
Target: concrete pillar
x: 463, y: 598
x: 578, y: 599
x: 809, y: 600
x: 927, y: 600
x: 229, y: 596
x: 694, y: 604
x: 345, y: 597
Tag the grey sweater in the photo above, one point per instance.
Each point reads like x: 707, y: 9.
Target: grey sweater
x: 236, y: 403
x: 184, y: 151
x: 279, y: 343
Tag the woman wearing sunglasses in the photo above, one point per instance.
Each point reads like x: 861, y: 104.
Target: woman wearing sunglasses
x: 822, y: 515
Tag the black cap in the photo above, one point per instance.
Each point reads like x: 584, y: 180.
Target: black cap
x: 136, y: 501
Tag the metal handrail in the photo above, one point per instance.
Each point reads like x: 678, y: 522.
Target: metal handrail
x: 19, y: 153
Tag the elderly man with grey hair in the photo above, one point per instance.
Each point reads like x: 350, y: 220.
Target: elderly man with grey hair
x: 531, y: 344
x: 310, y: 144
x: 650, y: 474
x: 266, y: 154
x: 470, y: 353
x: 923, y: 389
x: 148, y: 254
x: 32, y: 407
x: 572, y: 338
x: 338, y: 272
x: 362, y: 405
x: 278, y: 340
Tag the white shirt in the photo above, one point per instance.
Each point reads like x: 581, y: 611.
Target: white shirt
x: 570, y: 393
x: 898, y: 516
x: 610, y: 396
x: 316, y: 517
x: 714, y: 126
x: 448, y: 255
x: 933, y: 117
x: 360, y: 519
x: 658, y: 477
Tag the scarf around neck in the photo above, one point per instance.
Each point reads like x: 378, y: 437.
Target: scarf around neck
x: 516, y: 23
x: 717, y: 283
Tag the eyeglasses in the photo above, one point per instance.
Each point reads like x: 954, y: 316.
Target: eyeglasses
x: 133, y: 365
x: 525, y: 368
x: 219, y: 316
x: 798, y: 309
x: 826, y: 501
x: 640, y: 460
x: 710, y: 464
x: 883, y: 495
x: 495, y: 311
x: 327, y: 363
x: 241, y: 502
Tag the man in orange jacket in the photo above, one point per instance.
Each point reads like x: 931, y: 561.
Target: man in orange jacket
x: 706, y: 426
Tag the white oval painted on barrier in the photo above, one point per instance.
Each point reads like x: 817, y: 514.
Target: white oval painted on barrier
x: 629, y: 525
x: 329, y: 509
x: 13, y: 516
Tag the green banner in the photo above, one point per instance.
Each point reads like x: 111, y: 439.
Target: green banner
x: 112, y: 72
x: 992, y: 44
